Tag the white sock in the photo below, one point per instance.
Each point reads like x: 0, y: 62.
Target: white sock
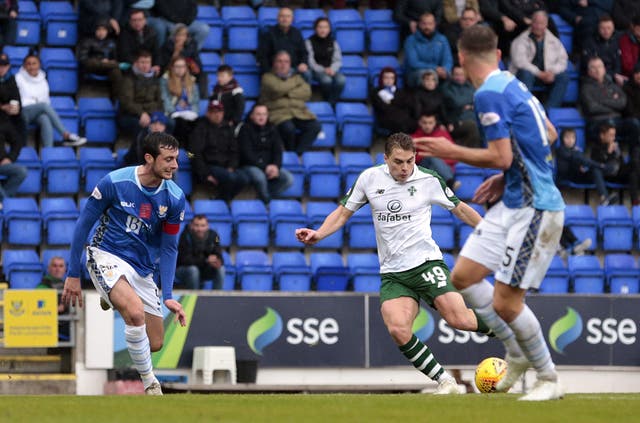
x: 479, y: 296
x: 444, y: 376
x: 529, y: 335
x: 140, y: 352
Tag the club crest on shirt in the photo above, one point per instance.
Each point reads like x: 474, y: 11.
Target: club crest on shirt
x: 448, y: 192
x: 145, y: 211
x: 96, y: 194
x: 489, y: 118
x: 162, y: 211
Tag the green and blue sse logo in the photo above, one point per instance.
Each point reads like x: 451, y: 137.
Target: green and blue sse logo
x: 264, y: 331
x: 423, y: 325
x: 565, y: 330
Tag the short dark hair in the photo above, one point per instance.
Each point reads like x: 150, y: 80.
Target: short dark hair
x: 225, y: 68
x: 153, y: 142
x: 320, y: 19
x: 134, y: 11
x: 399, y: 140
x: 605, y: 18
x: 199, y: 216
x: 143, y: 53
x: 606, y: 127
x: 478, y: 40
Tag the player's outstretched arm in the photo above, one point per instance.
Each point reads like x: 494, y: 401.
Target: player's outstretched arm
x: 72, y: 292
x: 334, y: 221
x: 176, y: 308
x: 467, y: 214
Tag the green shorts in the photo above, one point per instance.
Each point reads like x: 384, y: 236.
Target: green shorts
x: 426, y: 281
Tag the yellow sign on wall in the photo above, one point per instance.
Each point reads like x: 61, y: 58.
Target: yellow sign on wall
x: 30, y: 318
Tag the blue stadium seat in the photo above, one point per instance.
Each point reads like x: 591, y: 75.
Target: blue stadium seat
x: 61, y: 170
x: 573, y: 89
x: 59, y: 215
x: 267, y: 16
x: 635, y: 217
x: 98, y: 118
x: 376, y: 63
x: 357, y: 83
x: 615, y: 228
x: 470, y: 177
x: 251, y: 222
x: 565, y: 32
x: 62, y: 69
x: 383, y: 33
x: 448, y: 260
x: 48, y: 253
x: 582, y: 221
x: 22, y: 268
x: 65, y: 106
x: 586, y: 274
x: 462, y: 228
x: 209, y: 15
x: 291, y: 271
x: 349, y: 30
x: 241, y: 27
x: 254, y: 271
x: 303, y: 19
x: 246, y: 72
x: 210, y: 61
x: 317, y: 211
x: 569, y: 117
x: 28, y: 157
x: 365, y: 272
x: 184, y: 176
x: 622, y: 273
x: 285, y: 217
x: 23, y: 221
x: 329, y: 272
x: 352, y: 163
x: 556, y: 280
x: 28, y: 24
x: 219, y: 217
x: 230, y: 273
x: 443, y: 228
x: 325, y: 115
x: 355, y: 122
x: 60, y: 21
x: 95, y: 163
x: 361, y: 231
x: 16, y: 56
x: 323, y: 174
x: 291, y: 162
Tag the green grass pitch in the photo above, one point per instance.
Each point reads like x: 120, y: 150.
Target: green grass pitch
x: 324, y: 408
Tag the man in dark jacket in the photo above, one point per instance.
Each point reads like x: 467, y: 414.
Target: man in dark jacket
x: 261, y: 155
x: 97, y: 53
x: 284, y: 37
x: 604, y: 44
x: 11, y: 130
x: 139, y: 95
x: 136, y: 36
x: 199, y: 255
x: 169, y: 12
x: 215, y: 153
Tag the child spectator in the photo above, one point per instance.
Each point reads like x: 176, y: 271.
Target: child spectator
x: 395, y: 109
x: 36, y: 104
x: 428, y: 127
x: 180, y: 44
x: 97, y: 54
x: 325, y: 60
x: 180, y: 98
x: 230, y: 94
x: 429, y: 98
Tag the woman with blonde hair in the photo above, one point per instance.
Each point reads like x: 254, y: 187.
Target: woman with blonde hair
x: 180, y: 97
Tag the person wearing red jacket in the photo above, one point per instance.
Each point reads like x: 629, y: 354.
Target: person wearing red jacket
x: 630, y: 47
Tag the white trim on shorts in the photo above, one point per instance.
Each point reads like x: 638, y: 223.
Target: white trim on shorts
x: 106, y: 269
x: 517, y: 244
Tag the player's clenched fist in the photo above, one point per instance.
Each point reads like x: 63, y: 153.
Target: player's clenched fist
x: 306, y: 236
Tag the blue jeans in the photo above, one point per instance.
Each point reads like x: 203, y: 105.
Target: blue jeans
x: 267, y: 188
x: 189, y: 277
x: 331, y: 86
x: 15, y: 174
x: 229, y: 183
x: 197, y: 29
x: 46, y: 118
x: 556, y: 90
x: 439, y: 166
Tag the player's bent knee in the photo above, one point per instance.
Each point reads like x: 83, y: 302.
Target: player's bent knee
x: 400, y: 334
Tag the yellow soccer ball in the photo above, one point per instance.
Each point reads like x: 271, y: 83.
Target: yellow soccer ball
x: 488, y: 374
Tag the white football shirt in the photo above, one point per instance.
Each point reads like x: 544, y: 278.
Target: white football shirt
x: 401, y: 214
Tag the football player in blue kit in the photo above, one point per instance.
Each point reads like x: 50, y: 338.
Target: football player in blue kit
x: 139, y: 210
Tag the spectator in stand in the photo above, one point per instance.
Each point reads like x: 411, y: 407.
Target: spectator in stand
x: 453, y: 10
x: 135, y: 154
x: 199, y: 255
x: 502, y: 24
x: 428, y: 127
x: 215, y: 153
x: 521, y: 12
x: 469, y: 17
x: 169, y: 13
x: 583, y: 15
x: 407, y: 13
x: 8, y: 23
x: 180, y: 44
x: 623, y: 12
x: 285, y: 93
x: 11, y: 132
x: 228, y: 91
x: 603, y: 101
x: 136, y: 36
x: 284, y: 37
x: 630, y: 47
x: 325, y: 61
x: 572, y: 165
x: 617, y: 169
x: 427, y: 49
x: 36, y: 104
x: 538, y: 57
x: 261, y: 155
x: 605, y: 45
x: 180, y: 98
x: 570, y: 244
x: 54, y: 279
x: 632, y: 90
x: 458, y: 95
x: 90, y: 12
x: 395, y: 109
x: 97, y: 53
x: 428, y: 97
x: 139, y: 95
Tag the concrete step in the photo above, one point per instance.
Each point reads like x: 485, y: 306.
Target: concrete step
x: 37, y: 384
x: 21, y: 363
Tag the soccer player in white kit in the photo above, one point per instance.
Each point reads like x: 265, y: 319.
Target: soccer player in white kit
x: 518, y: 236
x: 401, y: 195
